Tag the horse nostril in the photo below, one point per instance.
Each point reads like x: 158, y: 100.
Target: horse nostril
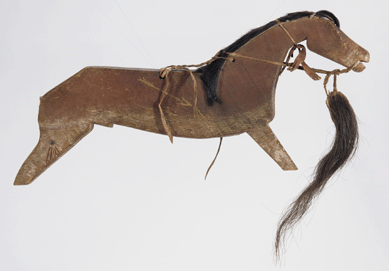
x: 363, y: 55
x: 366, y: 57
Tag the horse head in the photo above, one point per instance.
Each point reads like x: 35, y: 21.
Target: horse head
x: 329, y: 41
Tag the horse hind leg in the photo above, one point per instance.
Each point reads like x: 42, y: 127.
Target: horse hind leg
x: 265, y: 138
x: 52, y: 144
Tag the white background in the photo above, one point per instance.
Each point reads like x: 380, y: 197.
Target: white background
x: 125, y: 199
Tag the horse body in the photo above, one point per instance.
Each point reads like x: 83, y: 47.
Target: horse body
x: 130, y: 97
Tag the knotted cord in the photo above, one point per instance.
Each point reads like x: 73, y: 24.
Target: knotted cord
x: 164, y: 74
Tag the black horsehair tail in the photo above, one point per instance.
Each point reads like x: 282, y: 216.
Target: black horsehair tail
x: 342, y: 150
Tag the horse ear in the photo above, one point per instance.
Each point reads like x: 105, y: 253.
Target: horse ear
x: 343, y: 149
x: 329, y: 15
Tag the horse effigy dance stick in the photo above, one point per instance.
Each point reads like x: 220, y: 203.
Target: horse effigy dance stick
x: 231, y: 94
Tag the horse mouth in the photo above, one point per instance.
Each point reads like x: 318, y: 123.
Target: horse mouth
x: 359, y: 67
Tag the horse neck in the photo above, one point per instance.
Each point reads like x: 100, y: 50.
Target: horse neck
x: 274, y: 43
x: 258, y: 79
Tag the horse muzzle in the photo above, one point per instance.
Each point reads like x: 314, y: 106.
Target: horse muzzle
x: 359, y: 67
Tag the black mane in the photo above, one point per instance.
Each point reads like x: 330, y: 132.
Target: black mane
x: 210, y: 73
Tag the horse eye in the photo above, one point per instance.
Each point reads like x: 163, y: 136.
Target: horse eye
x: 52, y: 142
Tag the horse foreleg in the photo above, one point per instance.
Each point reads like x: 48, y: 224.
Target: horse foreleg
x: 265, y: 137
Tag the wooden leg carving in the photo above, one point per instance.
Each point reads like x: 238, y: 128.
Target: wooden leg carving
x: 265, y: 138
x: 53, y: 143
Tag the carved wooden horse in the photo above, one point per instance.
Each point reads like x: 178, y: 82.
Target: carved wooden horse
x: 242, y: 80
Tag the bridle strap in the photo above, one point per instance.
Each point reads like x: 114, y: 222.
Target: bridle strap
x: 300, y: 59
x: 286, y: 31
